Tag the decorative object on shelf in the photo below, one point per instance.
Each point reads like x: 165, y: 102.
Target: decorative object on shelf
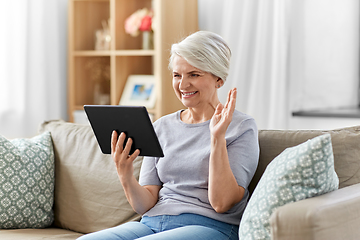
x: 147, y: 40
x: 140, y: 90
x: 141, y: 21
x: 99, y: 69
x: 103, y: 37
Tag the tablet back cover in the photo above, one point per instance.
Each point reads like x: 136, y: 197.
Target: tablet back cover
x: 132, y: 120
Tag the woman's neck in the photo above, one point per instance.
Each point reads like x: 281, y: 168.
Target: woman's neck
x: 198, y: 115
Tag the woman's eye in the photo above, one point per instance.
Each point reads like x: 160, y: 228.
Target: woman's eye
x: 176, y: 75
x: 194, y: 75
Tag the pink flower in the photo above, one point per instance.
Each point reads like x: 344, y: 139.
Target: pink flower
x: 138, y: 21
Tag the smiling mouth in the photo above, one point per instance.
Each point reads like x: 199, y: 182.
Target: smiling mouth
x: 188, y: 93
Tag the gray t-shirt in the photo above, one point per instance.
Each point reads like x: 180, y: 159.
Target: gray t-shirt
x: 183, y: 172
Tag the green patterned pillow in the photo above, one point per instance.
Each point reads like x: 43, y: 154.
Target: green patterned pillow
x: 26, y: 182
x: 299, y: 172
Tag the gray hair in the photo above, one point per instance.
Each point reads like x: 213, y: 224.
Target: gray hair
x: 204, y: 50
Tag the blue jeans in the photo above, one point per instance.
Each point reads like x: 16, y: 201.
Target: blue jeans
x: 167, y: 227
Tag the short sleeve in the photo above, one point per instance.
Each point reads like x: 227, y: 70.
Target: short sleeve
x: 148, y: 172
x: 243, y: 152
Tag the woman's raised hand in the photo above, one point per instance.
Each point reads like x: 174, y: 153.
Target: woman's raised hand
x: 121, y: 157
x: 223, y: 115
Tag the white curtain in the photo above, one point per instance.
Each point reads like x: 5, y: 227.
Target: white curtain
x: 33, y: 47
x: 258, y: 35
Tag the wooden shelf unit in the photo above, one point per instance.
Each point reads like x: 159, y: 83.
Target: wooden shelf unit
x: 174, y: 19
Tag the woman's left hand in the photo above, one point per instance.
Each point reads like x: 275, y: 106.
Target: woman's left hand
x: 223, y: 115
x: 224, y: 191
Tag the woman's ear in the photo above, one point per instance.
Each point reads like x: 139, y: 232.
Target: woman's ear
x: 219, y: 83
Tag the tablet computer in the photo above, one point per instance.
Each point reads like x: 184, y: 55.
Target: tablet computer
x: 134, y: 121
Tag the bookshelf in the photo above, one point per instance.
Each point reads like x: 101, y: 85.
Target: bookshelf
x: 89, y: 69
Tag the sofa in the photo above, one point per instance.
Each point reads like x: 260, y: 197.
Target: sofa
x: 88, y: 195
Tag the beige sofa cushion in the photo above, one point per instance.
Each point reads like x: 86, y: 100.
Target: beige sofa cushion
x: 88, y: 193
x: 38, y: 234
x: 331, y: 216
x: 345, y: 141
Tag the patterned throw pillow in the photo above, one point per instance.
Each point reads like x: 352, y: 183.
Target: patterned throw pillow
x: 26, y: 182
x: 299, y: 172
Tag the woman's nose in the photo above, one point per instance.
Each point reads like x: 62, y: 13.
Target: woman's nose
x: 184, y: 83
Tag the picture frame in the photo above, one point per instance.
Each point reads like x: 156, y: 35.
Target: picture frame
x: 140, y: 90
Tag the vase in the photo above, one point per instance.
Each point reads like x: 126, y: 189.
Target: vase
x: 102, y: 93
x: 147, y: 40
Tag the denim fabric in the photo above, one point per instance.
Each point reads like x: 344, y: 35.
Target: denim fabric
x: 179, y: 227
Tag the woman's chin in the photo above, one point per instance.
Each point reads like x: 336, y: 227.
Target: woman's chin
x: 189, y: 104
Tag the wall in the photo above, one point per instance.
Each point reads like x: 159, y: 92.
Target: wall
x: 324, y: 60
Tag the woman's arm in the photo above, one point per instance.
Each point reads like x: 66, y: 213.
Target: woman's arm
x: 224, y: 191
x: 141, y: 198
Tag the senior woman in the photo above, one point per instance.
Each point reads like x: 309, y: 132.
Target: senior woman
x: 198, y: 190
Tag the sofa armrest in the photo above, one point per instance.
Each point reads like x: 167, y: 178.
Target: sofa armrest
x: 335, y: 215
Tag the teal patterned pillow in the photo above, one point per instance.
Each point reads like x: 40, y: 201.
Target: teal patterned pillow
x: 299, y: 172
x: 26, y: 182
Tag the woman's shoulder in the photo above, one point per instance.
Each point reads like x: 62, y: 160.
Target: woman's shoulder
x: 167, y: 119
x: 240, y: 116
x: 243, y: 120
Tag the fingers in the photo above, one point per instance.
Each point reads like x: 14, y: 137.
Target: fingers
x: 113, y: 141
x: 234, y: 92
x: 218, y: 109
x: 118, y: 143
x: 228, y: 99
x: 128, y: 146
x: 127, y: 150
x: 135, y: 155
x: 231, y: 100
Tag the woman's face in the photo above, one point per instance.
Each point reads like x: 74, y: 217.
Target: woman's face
x: 193, y: 87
